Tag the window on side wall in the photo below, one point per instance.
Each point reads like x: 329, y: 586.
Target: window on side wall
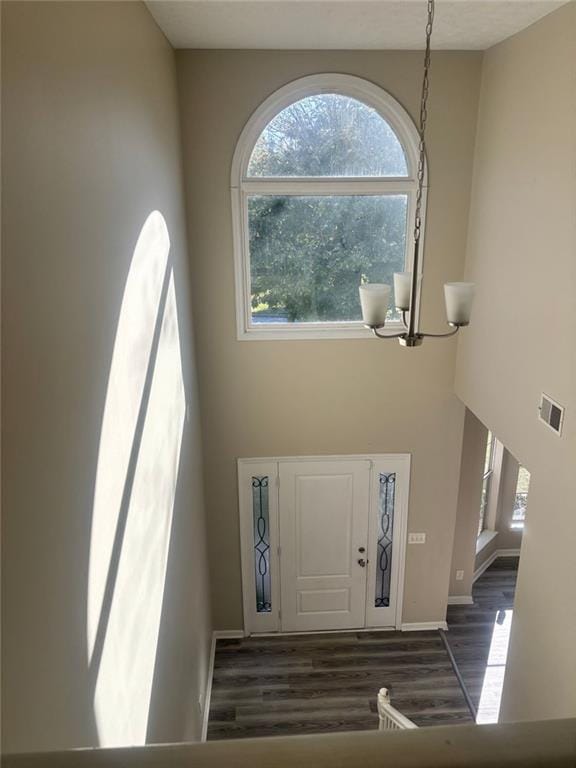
x: 323, y: 194
x: 520, y: 499
x: 486, y: 481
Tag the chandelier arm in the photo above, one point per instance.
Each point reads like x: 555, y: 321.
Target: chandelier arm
x: 374, y: 330
x: 441, y: 335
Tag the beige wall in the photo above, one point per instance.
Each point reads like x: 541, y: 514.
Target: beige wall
x: 325, y: 397
x: 507, y: 538
x: 90, y: 148
x: 500, y: 505
x: 469, y: 493
x: 521, y: 246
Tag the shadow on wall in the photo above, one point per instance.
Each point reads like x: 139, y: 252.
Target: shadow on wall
x: 135, y: 489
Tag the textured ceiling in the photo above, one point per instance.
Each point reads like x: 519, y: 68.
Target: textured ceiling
x: 343, y: 24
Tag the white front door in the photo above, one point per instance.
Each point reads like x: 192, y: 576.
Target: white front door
x: 324, y: 539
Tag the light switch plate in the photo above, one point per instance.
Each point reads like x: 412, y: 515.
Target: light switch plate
x: 416, y: 538
x: 459, y: 575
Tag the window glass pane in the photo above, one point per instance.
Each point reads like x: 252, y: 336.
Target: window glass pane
x: 261, y: 521
x: 521, y: 499
x: 308, y: 255
x: 328, y: 135
x: 384, y: 549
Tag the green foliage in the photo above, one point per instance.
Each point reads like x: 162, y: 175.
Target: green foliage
x: 328, y: 135
x: 309, y: 254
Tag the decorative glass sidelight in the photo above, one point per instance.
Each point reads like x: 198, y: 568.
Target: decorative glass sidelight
x: 386, y: 498
x: 261, y: 520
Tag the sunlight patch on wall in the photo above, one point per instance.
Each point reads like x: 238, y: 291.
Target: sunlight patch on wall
x: 130, y: 359
x: 135, y: 491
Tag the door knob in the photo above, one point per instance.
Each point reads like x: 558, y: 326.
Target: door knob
x: 362, y: 562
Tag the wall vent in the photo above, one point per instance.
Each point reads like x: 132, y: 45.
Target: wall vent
x: 551, y: 413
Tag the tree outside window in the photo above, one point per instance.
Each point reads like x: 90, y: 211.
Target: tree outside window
x: 521, y: 498
x: 325, y: 201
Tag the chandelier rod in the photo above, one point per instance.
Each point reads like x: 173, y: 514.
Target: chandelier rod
x: 412, y: 320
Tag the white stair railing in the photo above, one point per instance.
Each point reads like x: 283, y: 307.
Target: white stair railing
x: 390, y: 718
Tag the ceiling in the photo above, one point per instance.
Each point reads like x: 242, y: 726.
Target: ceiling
x: 343, y: 24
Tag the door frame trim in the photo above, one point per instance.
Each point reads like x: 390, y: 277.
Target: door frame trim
x: 267, y: 623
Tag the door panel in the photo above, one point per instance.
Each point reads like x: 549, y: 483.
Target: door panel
x: 324, y: 503
x: 323, y: 526
x: 320, y: 601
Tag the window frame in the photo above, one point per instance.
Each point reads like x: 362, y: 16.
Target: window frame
x: 242, y: 186
x: 487, y: 476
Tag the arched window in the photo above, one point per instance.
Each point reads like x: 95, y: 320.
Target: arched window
x: 323, y: 192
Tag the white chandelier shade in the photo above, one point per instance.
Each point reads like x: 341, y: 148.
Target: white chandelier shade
x: 402, y: 285
x: 374, y: 298
x: 459, y: 298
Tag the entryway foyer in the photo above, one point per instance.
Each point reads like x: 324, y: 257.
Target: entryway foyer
x: 323, y: 542
x: 319, y: 683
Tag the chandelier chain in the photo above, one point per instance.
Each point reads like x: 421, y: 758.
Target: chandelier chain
x: 458, y: 295
x: 423, y: 120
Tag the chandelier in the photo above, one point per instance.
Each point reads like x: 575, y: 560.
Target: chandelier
x: 375, y: 297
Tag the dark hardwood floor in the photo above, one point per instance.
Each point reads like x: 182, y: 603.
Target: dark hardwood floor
x: 478, y: 635
x: 297, y: 684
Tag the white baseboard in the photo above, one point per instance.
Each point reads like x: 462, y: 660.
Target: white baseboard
x: 228, y: 634
x: 421, y: 626
x: 494, y: 556
x: 460, y: 600
x: 208, y: 691
x: 485, y: 565
x: 323, y: 632
x: 217, y: 634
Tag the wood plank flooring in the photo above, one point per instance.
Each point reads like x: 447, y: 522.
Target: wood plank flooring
x: 478, y: 636
x: 319, y: 683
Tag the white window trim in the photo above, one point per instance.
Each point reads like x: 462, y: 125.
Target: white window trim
x: 489, y: 532
x: 484, y: 539
x: 493, y: 476
x: 241, y: 186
